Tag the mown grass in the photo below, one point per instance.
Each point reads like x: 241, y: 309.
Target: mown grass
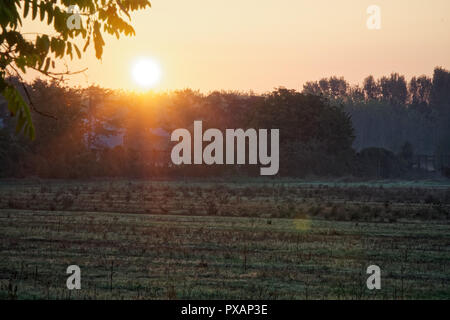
x: 189, y: 242
x: 201, y: 257
x: 344, y: 202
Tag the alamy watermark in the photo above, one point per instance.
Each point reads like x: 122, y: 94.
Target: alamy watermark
x: 74, y: 20
x: 214, y: 152
x: 74, y: 280
x: 374, y: 280
x: 374, y: 20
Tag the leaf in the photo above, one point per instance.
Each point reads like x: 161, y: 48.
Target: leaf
x: 78, y: 51
x: 123, y: 9
x: 26, y: 8
x: 87, y: 43
x: 98, y: 40
x: 42, y: 11
x: 69, y: 50
x: 34, y: 9
x: 20, y: 109
x: 42, y: 44
x: 46, y: 42
x: 47, y: 64
x: 49, y: 17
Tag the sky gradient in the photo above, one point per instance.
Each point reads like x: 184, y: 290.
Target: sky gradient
x: 261, y: 44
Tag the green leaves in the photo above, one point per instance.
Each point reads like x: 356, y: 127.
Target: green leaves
x: 26, y: 8
x: 19, y: 108
x: 98, y: 16
x: 77, y: 51
x: 98, y: 40
x: 57, y: 46
x: 42, y: 8
x: 43, y: 44
x: 34, y: 10
x: 9, y: 15
x: 21, y: 53
x: 47, y: 64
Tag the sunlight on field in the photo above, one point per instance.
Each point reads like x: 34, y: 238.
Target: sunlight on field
x: 302, y: 224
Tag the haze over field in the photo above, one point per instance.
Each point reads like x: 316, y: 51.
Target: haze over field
x: 259, y: 45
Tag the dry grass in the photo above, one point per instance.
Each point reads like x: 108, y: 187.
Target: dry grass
x: 222, y: 241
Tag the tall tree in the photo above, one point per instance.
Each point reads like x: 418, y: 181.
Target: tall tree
x: 371, y: 88
x: 440, y: 93
x: 420, y: 91
x: 338, y: 87
x: 440, y: 101
x: 394, y: 89
x: 315, y: 136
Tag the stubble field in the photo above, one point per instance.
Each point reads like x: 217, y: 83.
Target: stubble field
x: 204, y: 240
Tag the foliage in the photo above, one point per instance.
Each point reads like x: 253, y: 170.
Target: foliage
x: 388, y: 111
x: 313, y: 132
x: 18, y: 53
x: 102, y: 132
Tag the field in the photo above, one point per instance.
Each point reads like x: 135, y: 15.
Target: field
x: 224, y: 240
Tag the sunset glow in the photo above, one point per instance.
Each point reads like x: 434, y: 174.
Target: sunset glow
x: 271, y: 43
x: 146, y: 73
x: 224, y: 151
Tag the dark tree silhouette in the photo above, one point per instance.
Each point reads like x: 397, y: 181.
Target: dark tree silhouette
x: 19, y: 52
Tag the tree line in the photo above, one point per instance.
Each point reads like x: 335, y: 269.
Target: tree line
x: 390, y: 111
x: 330, y: 128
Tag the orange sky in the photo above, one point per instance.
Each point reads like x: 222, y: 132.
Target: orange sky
x: 261, y: 44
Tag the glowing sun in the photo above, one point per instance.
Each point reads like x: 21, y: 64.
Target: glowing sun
x: 146, y: 72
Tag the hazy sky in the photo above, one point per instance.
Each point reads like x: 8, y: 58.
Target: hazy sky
x: 261, y: 44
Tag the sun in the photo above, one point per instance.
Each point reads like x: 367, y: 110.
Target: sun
x: 146, y: 72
